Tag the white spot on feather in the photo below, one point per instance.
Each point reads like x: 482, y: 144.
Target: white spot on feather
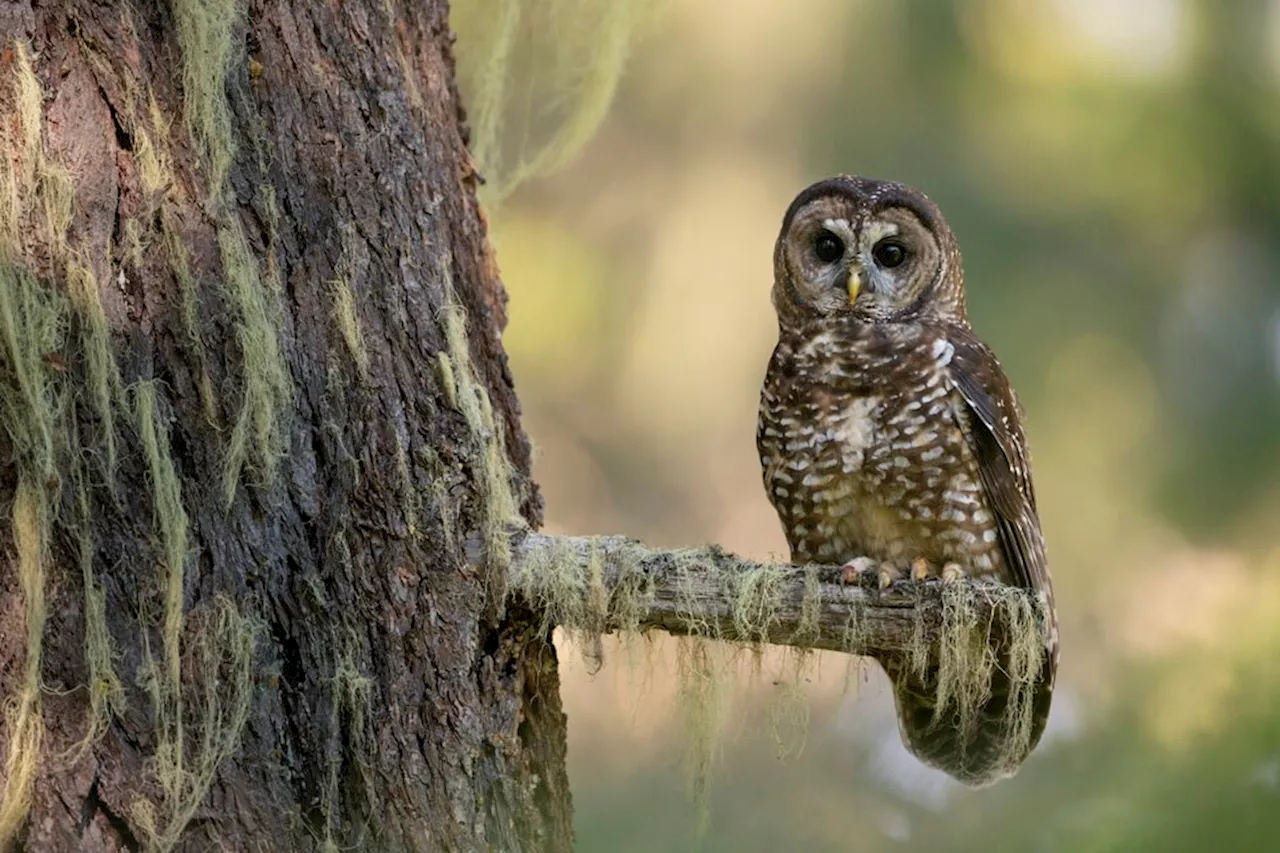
x: 942, y: 351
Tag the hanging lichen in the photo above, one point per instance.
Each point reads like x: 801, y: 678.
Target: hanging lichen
x: 206, y: 31
x: 538, y: 79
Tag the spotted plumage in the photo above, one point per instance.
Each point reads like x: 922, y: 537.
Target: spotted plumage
x: 888, y: 432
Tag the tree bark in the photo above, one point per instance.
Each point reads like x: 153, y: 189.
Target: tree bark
x: 255, y: 404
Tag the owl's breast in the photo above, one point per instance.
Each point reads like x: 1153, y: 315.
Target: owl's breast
x: 875, y: 464
x: 814, y: 443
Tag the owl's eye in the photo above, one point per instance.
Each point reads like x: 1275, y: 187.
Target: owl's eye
x: 889, y: 253
x: 828, y: 247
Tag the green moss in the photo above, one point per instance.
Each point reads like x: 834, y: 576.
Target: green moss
x: 30, y: 527
x: 701, y: 698
x: 754, y: 593
x: 24, y: 717
x: 155, y: 169
x: 155, y: 166
x: 810, y: 608
x: 444, y: 368
x: 440, y: 496
x: 555, y: 581
x: 968, y: 659
x: 270, y: 218
x: 789, y: 709
x: 189, y: 301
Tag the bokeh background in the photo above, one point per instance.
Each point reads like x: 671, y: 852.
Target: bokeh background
x: 1112, y: 170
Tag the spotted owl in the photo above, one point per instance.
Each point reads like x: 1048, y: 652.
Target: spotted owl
x: 889, y: 436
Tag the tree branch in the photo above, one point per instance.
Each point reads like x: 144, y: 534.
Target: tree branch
x: 609, y: 583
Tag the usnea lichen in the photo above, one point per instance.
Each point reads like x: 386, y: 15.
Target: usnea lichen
x: 267, y: 386
x: 217, y: 698
x: 536, y: 101
x: 205, y: 30
x: 467, y: 392
x: 200, y: 695
x: 33, y: 401
x: 221, y: 680
x: 258, y: 436
x: 349, y: 692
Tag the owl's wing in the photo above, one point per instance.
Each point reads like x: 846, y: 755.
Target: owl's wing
x: 998, y: 441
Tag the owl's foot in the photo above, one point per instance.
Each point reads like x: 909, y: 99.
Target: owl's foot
x: 923, y: 570
x: 855, y: 568
x: 887, y: 573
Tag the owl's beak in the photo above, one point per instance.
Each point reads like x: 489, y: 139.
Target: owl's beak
x: 854, y: 283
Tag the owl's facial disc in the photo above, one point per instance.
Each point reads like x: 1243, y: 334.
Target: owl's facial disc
x: 871, y: 249
x: 899, y: 261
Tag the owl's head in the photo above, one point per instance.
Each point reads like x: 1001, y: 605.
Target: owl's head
x: 876, y: 250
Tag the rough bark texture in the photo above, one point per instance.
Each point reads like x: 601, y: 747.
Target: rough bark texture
x: 386, y: 705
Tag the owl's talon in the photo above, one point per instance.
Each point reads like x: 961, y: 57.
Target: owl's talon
x: 887, y: 574
x: 851, y: 571
x: 952, y: 572
x: 920, y: 569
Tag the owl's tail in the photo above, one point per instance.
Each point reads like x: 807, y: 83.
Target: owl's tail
x: 978, y: 739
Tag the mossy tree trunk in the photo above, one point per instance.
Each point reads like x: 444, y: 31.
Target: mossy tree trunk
x: 255, y: 407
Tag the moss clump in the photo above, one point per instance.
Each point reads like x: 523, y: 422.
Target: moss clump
x: 702, y: 699
x: 633, y: 593
x: 971, y: 660
x: 754, y: 593
x: 155, y: 166
x: 205, y: 36
x: 35, y: 406
x: 440, y: 495
x: 789, y: 710
x: 555, y: 580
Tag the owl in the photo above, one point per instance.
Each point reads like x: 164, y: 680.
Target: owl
x: 889, y: 437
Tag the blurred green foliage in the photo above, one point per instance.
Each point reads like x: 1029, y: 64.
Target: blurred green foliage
x: 1112, y: 171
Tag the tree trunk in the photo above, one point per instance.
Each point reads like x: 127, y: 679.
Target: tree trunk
x: 254, y: 407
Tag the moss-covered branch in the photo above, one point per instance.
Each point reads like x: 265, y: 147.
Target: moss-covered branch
x: 970, y: 654
x: 610, y: 583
